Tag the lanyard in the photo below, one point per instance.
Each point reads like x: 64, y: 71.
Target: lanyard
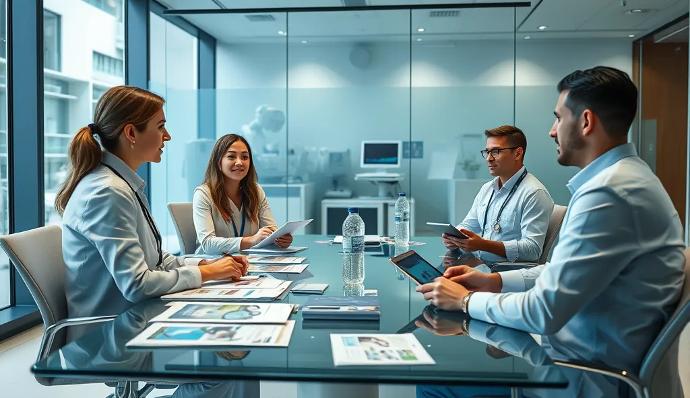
x: 497, y: 226
x: 234, y: 226
x: 147, y: 216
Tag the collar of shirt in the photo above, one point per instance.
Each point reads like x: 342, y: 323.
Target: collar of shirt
x: 121, y: 167
x: 604, y: 160
x: 511, y: 181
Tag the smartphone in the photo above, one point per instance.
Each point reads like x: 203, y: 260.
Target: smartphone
x: 415, y: 267
x: 449, y: 229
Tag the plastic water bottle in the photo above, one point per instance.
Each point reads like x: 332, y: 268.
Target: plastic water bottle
x: 353, y: 247
x: 402, y: 220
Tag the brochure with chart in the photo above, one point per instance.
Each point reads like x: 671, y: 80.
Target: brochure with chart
x: 284, y: 269
x: 226, y: 313
x: 378, y: 349
x: 256, y: 259
x: 177, y: 335
x: 213, y: 294
x: 256, y: 283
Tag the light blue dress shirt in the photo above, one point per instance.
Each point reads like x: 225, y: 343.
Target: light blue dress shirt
x: 616, y: 272
x: 523, y: 222
x: 109, y: 248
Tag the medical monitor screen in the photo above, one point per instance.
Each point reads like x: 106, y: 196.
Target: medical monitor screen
x: 381, y: 154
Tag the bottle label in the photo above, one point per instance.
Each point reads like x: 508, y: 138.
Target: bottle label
x: 354, y: 244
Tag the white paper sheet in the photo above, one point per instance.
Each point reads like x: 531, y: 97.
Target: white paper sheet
x: 214, y: 312
x: 378, y: 349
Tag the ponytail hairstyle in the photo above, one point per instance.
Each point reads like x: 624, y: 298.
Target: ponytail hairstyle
x: 118, y: 107
x: 214, y: 178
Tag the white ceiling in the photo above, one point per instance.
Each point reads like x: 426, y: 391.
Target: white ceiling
x: 564, y: 19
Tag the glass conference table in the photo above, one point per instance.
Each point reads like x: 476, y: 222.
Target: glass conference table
x: 490, y: 356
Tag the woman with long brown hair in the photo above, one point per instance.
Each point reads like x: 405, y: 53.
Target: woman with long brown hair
x: 110, y: 242
x: 231, y: 212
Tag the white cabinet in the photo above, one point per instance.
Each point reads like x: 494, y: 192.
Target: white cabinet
x: 378, y: 215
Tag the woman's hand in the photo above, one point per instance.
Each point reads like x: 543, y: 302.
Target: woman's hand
x: 224, y: 268
x: 261, y: 234
x: 284, y: 241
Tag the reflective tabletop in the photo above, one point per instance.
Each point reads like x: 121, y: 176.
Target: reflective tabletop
x: 489, y: 356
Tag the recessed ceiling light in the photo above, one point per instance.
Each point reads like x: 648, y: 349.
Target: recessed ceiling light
x: 542, y: 27
x: 631, y: 35
x: 419, y: 39
x: 527, y: 37
x: 420, y: 30
x: 637, y: 11
x: 304, y: 41
x: 281, y: 32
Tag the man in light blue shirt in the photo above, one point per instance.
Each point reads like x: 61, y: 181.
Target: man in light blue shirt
x: 510, y: 214
x: 617, y: 271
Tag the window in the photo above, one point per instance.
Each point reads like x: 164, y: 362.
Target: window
x: 112, y: 7
x: 71, y: 90
x: 4, y: 194
x: 109, y: 65
x: 51, y: 40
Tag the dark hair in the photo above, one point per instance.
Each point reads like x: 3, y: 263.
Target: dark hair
x: 214, y: 178
x: 606, y: 91
x: 117, y: 107
x: 515, y: 136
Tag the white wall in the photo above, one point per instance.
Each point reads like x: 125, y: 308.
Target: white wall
x: 456, y: 89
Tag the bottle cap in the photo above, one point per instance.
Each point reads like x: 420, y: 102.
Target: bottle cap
x: 353, y: 210
x: 401, y: 194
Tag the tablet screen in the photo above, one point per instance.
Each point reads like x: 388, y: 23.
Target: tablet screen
x: 416, y: 267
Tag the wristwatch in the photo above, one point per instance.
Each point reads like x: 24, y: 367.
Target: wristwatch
x: 466, y: 302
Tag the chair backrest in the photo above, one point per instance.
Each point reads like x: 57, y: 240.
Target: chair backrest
x: 552, y: 231
x: 669, y: 335
x: 183, y: 220
x: 37, y: 256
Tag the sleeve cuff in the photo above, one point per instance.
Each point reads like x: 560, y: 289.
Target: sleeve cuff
x: 477, y: 305
x: 512, y: 281
x: 512, y: 253
x: 192, y: 262
x: 191, y: 275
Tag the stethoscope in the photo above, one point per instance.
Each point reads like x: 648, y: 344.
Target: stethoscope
x: 147, y: 216
x: 497, y: 225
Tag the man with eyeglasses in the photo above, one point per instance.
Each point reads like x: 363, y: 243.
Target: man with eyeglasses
x: 616, y: 273
x: 510, y: 214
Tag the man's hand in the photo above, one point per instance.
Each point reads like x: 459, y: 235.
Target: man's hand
x: 474, y: 280
x: 224, y: 268
x: 473, y: 242
x: 444, y: 293
x: 284, y: 241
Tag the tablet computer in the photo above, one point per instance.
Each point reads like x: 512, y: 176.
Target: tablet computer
x: 415, y: 267
x: 447, y: 228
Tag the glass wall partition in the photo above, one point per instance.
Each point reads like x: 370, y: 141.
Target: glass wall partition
x: 4, y: 170
x: 348, y: 116
x: 173, y: 72
x: 462, y: 84
x: 73, y: 79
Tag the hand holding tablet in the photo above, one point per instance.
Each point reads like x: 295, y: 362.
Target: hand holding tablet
x: 447, y: 228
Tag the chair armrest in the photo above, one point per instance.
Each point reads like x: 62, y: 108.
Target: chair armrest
x: 510, y: 266
x: 52, y: 330
x: 623, y: 375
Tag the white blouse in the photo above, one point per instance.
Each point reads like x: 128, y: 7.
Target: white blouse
x: 215, y: 234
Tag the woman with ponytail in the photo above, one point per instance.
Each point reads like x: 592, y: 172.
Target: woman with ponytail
x: 231, y: 212
x: 110, y: 242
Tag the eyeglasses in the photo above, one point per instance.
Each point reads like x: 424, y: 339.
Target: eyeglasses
x: 494, y: 152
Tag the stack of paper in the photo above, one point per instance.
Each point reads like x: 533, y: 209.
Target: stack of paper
x: 216, y: 324
x: 256, y: 259
x: 278, y: 269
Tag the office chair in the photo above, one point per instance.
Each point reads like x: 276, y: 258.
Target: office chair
x: 552, y: 231
x: 43, y: 272
x: 661, y: 359
x: 181, y: 214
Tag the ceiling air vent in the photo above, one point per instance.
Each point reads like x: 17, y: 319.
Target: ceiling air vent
x: 444, y: 13
x: 260, y: 17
